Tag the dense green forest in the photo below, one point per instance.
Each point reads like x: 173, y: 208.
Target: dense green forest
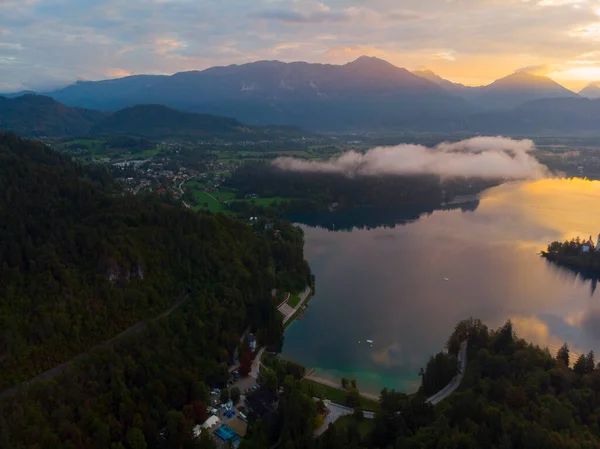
x: 571, y: 254
x: 317, y: 191
x: 513, y: 395
x: 81, y: 264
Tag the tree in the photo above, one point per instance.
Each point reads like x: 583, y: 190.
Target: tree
x: 344, y: 383
x: 580, y: 365
x: 563, y: 354
x: 135, y: 439
x: 245, y: 361
x: 175, y: 428
x: 235, y: 394
x: 353, y: 397
x: 269, y: 380
x: 359, y: 414
x: 224, y: 397
x: 590, y: 362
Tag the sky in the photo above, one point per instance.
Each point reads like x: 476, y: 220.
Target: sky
x: 46, y: 44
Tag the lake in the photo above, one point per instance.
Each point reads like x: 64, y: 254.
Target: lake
x: 388, y: 284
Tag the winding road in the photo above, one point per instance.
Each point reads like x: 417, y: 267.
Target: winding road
x: 336, y: 411
x: 456, y: 380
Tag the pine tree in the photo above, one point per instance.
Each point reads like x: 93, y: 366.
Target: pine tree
x: 580, y: 365
x: 563, y: 354
x: 590, y: 362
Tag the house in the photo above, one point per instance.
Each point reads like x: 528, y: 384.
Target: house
x: 208, y: 424
x: 252, y: 342
x: 589, y: 245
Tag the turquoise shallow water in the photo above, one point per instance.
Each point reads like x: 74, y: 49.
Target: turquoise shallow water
x: 387, y: 284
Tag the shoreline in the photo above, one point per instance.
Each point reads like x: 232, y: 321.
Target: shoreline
x: 332, y: 384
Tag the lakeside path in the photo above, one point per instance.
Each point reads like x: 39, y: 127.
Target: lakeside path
x: 287, y: 311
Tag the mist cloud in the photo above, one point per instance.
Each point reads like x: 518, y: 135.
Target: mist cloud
x: 486, y: 157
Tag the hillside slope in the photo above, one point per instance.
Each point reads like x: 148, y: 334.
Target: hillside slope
x: 160, y: 121
x: 37, y: 115
x: 80, y: 264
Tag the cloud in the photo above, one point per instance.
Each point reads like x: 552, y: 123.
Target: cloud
x: 10, y: 46
x: 388, y: 356
x: 296, y: 17
x: 355, y: 51
x: 591, y: 323
x: 117, y: 73
x: 488, y: 157
x: 540, y: 70
x: 477, y: 40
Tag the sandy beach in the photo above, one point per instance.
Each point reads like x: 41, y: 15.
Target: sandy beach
x: 332, y: 384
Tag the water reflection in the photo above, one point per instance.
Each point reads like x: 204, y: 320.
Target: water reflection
x: 386, y: 282
x: 571, y: 274
x: 372, y: 218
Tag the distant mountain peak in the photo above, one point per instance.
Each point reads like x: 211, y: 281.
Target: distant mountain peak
x: 370, y: 61
x: 528, y: 80
x: 592, y: 90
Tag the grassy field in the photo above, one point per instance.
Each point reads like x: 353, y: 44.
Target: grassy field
x: 365, y: 427
x: 335, y: 395
x: 224, y: 196
x: 294, y: 300
x: 266, y: 201
x: 195, y: 184
x: 206, y: 201
x: 97, y: 147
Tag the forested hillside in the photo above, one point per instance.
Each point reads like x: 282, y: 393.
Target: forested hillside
x: 81, y: 264
x: 313, y: 191
x: 36, y: 115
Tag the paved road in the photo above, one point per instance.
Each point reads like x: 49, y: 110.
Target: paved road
x: 455, y: 382
x: 130, y: 330
x: 255, y: 370
x: 336, y: 411
x: 181, y: 190
x: 288, y: 312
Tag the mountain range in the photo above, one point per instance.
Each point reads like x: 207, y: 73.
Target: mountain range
x: 38, y: 115
x: 366, y: 94
x: 506, y: 93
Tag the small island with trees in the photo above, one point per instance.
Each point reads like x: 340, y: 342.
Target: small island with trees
x: 575, y: 254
